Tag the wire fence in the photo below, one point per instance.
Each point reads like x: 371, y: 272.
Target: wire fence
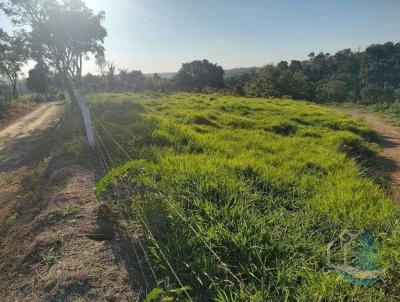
x: 170, y: 203
x: 153, y: 238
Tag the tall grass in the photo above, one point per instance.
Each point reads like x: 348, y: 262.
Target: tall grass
x: 267, y: 184
x: 391, y: 110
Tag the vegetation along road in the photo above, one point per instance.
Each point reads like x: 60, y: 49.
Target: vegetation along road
x: 389, y: 136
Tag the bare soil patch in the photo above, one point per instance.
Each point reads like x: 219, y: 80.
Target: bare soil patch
x: 13, y: 111
x: 54, y: 245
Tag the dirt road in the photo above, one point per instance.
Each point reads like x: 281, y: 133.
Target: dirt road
x: 54, y: 244
x: 389, y: 140
x: 19, y: 142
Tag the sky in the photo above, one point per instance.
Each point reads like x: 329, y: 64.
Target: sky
x: 159, y: 35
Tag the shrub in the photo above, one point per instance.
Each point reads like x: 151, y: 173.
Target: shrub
x: 332, y: 91
x: 372, y: 94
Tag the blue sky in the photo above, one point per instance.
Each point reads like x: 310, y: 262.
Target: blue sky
x: 158, y: 35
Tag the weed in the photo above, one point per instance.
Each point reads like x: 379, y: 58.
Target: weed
x: 32, y: 183
x: 10, y: 220
x: 68, y: 211
x: 391, y: 110
x: 76, y: 147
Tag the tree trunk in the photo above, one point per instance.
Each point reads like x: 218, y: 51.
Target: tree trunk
x: 14, y: 89
x: 68, y: 87
x: 20, y: 87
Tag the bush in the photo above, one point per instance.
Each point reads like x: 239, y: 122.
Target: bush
x: 332, y: 91
x: 372, y: 94
x: 272, y: 81
x: 397, y: 94
x: 60, y: 96
x: 5, y: 92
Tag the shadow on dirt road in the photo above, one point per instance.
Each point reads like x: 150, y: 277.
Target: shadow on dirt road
x: 24, y: 142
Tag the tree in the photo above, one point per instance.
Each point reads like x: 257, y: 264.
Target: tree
x: 283, y: 65
x: 27, y: 12
x: 135, y: 80
x: 280, y: 81
x: 373, y: 93
x: 237, y: 82
x: 296, y: 66
x: 153, y: 83
x: 5, y: 92
x: 332, y: 91
x: 38, y: 80
x: 12, y: 57
x: 346, y: 61
x: 381, y: 64
x: 397, y: 94
x: 318, y: 66
x: 69, y: 35
x: 92, y: 83
x: 111, y: 77
x: 265, y: 84
x: 301, y: 87
x: 65, y: 32
x: 197, y: 75
x: 102, y: 64
x: 123, y: 79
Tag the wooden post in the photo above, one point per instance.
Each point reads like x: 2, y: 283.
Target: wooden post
x: 86, y: 116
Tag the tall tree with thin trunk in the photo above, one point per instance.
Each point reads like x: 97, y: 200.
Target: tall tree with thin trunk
x: 12, y: 58
x: 64, y: 32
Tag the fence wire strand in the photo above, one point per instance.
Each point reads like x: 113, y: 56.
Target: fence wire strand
x: 187, y: 222
x: 155, y: 242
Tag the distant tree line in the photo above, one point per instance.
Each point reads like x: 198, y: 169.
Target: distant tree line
x: 195, y: 76
x: 123, y: 80
x: 370, y: 76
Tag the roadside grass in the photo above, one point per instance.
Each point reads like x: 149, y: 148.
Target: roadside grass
x: 267, y: 184
x: 391, y: 110
x: 32, y: 182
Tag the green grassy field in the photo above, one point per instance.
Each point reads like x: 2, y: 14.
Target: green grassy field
x: 265, y: 184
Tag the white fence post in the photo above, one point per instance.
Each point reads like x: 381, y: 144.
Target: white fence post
x: 86, y: 117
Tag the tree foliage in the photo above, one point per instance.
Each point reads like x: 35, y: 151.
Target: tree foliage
x: 370, y: 76
x: 12, y: 57
x: 237, y: 82
x: 279, y: 81
x: 197, y: 75
x: 38, y: 80
x: 62, y: 33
